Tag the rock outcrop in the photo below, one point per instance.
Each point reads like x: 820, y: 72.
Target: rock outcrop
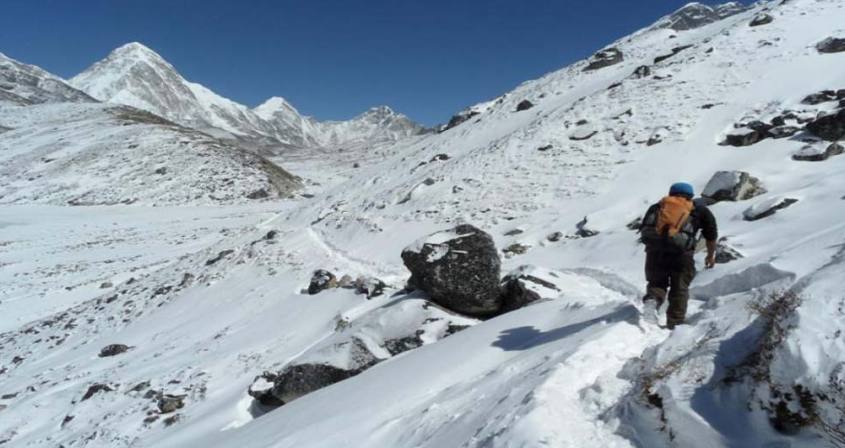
x: 767, y: 208
x: 605, y: 58
x: 732, y: 186
x: 830, y: 127
x: 831, y: 45
x: 815, y: 153
x: 321, y: 280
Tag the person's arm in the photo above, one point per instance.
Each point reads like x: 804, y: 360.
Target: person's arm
x: 710, y: 231
x: 710, y: 261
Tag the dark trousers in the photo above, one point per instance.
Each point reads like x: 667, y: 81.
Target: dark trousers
x: 672, y: 272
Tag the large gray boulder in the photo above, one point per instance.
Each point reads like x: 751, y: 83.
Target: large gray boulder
x: 817, y: 153
x: 830, y: 127
x: 732, y: 186
x: 458, y: 268
x: 831, y: 45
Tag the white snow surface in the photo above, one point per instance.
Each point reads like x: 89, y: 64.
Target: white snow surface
x: 576, y: 369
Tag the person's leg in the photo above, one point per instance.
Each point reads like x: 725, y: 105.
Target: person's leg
x: 680, y: 277
x: 657, y: 278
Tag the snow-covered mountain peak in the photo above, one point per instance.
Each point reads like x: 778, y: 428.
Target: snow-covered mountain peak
x: 273, y: 106
x: 136, y: 51
x: 695, y: 14
x: 379, y: 113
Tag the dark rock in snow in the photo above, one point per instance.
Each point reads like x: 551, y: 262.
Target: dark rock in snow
x: 401, y: 345
x: 779, y: 132
x: 297, y: 380
x: 831, y: 45
x: 813, y: 153
x: 830, y: 127
x: 262, y: 389
x: 458, y: 119
x: 820, y: 97
x: 522, y: 287
x: 258, y: 194
x: 112, y: 350
x: 106, y: 285
x: 675, y: 51
x: 170, y: 403
x: 732, y: 186
x: 761, y: 19
x: 440, y: 158
x: 95, y: 389
x: 605, y: 58
x: 545, y: 148
x: 725, y: 253
x: 515, y: 249
x: 642, y: 71
x: 695, y: 15
x: 321, y: 280
x: 458, y: 269
x: 743, y: 137
x: 555, y: 236
x: 162, y: 170
x: 524, y: 105
x: 221, y: 255
x: 767, y: 208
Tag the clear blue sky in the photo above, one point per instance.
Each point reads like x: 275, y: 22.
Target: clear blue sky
x: 332, y: 59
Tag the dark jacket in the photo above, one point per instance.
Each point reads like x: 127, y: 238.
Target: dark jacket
x: 702, y: 220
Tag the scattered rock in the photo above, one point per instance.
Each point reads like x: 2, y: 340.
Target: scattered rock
x: 545, y: 147
x: 515, y: 249
x: 583, y: 133
x: 524, y: 105
x: 143, y: 385
x: 555, y: 236
x: 440, y: 158
x: 675, y: 51
x: 743, y: 137
x: 106, y: 285
x: 170, y: 403
x: 821, y: 97
x: 767, y: 208
x: 814, y: 153
x: 830, y: 127
x: 458, y: 119
x: 779, y: 132
x: 514, y: 232
x: 831, y: 45
x: 370, y: 286
x: 221, y: 255
x: 262, y: 389
x: 726, y: 253
x: 258, y: 194
x: 642, y: 71
x: 523, y: 286
x: 173, y: 419
x: 761, y: 19
x: 321, y: 280
x: 162, y: 170
x: 401, y: 345
x: 732, y: 186
x: 458, y: 269
x: 605, y: 58
x: 112, y: 350
x: 95, y: 389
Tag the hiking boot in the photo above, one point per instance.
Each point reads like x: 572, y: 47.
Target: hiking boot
x: 650, y: 311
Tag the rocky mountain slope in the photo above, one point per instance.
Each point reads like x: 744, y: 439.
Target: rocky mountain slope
x: 60, y: 146
x: 235, y: 341
x: 137, y: 76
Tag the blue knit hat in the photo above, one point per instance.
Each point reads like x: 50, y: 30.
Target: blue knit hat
x: 682, y: 189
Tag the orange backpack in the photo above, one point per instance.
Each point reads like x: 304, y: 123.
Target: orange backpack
x: 674, y: 213
x: 670, y: 227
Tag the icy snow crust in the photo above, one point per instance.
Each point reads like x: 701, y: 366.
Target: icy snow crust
x: 577, y: 369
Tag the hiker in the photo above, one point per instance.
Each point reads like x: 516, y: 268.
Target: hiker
x: 669, y: 231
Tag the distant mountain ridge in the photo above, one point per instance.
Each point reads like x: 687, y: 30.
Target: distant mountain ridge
x: 137, y: 76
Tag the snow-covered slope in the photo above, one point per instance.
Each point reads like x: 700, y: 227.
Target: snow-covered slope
x: 577, y: 369
x: 137, y: 76
x: 85, y: 154
x: 22, y: 84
